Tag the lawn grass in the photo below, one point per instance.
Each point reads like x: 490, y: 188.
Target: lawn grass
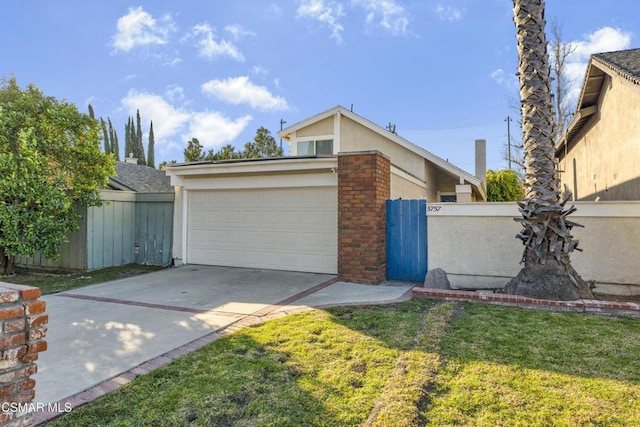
x: 54, y: 281
x: 409, y: 364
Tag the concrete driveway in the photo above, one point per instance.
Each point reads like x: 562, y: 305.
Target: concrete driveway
x: 98, y: 332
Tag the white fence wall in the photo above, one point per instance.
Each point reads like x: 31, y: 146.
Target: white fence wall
x: 476, y: 245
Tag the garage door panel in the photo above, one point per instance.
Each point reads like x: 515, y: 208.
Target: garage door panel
x: 289, y: 229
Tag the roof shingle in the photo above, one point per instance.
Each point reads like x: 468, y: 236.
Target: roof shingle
x: 625, y: 62
x: 140, y: 178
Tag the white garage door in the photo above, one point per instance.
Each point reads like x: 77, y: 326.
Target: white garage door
x: 282, y: 229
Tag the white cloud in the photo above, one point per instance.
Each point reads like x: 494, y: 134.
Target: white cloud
x: 167, y: 119
x: 174, y: 93
x: 139, y: 28
x: 501, y: 78
x: 209, y: 47
x: 173, y: 125
x: 259, y: 70
x: 605, y: 39
x: 328, y: 14
x: 448, y: 13
x: 275, y: 9
x: 214, y: 129
x: 240, y: 90
x: 238, y: 32
x: 388, y: 14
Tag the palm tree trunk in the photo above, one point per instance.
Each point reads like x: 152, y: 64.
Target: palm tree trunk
x: 547, y: 271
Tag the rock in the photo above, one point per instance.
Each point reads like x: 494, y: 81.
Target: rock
x: 437, y: 279
x: 551, y: 282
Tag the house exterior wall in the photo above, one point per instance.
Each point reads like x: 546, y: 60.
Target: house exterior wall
x: 355, y: 137
x: 602, y: 162
x: 476, y: 245
x: 403, y: 187
x: 323, y: 127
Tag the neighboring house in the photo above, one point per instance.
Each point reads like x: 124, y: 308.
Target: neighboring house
x: 133, y: 226
x: 282, y: 213
x: 131, y: 176
x: 600, y: 150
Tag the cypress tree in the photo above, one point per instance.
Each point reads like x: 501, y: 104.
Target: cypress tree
x: 132, y: 139
x: 115, y: 147
x: 139, y: 147
x: 126, y: 140
x: 151, y: 158
x: 105, y: 136
x: 91, y: 113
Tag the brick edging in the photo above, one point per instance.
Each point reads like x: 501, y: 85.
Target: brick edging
x: 611, y: 308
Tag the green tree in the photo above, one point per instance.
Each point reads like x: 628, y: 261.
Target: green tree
x: 263, y: 145
x: 105, y: 136
x: 138, y: 147
x: 164, y: 164
x: 128, y: 149
x: 91, y: 113
x: 151, y: 156
x: 504, y: 186
x: 50, y: 162
x: 547, y: 271
x: 225, y: 153
x: 113, y: 141
x: 193, y: 151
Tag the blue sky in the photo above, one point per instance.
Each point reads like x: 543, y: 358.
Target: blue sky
x: 442, y: 71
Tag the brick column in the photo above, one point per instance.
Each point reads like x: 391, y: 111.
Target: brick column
x: 22, y: 329
x: 363, y: 189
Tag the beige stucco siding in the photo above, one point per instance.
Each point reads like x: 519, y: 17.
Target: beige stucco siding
x: 323, y: 127
x: 431, y: 179
x: 402, y: 188
x: 355, y: 137
x: 603, y: 160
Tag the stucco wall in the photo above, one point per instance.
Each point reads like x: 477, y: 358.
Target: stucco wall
x: 605, y: 156
x: 355, y: 137
x: 476, y: 245
x: 323, y: 127
x: 402, y: 188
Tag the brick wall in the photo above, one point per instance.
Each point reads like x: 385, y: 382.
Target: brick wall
x: 22, y: 331
x: 363, y: 189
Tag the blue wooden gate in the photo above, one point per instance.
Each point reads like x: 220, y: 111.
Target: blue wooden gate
x: 406, y: 240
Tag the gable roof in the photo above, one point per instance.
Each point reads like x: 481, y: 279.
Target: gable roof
x: 623, y: 63
x: 140, y: 178
x: 439, y: 162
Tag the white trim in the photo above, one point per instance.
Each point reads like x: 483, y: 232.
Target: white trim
x: 402, y: 174
x: 293, y: 144
x: 185, y: 220
x: 302, y: 180
x: 314, y: 138
x: 337, y: 119
x: 258, y: 166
